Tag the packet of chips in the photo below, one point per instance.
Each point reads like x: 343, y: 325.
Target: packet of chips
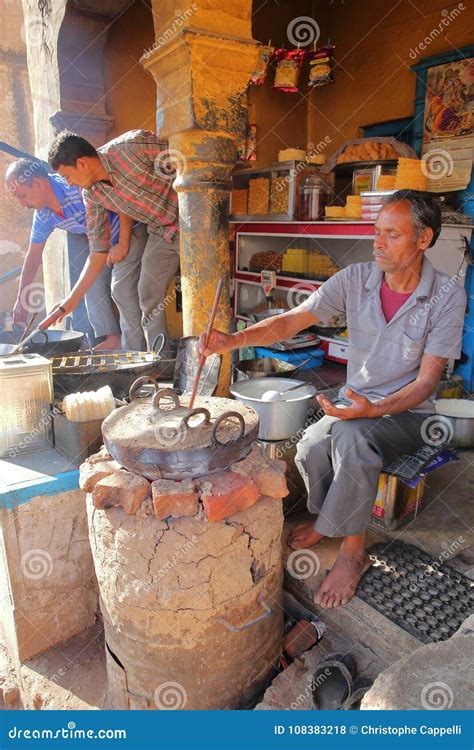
x: 320, y: 66
x: 260, y: 73
x: 288, y: 69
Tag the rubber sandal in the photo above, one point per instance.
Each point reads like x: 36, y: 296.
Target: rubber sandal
x: 333, y: 682
x: 359, y: 688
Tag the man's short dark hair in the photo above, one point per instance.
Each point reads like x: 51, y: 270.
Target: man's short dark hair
x: 425, y: 211
x: 67, y: 148
x: 24, y: 171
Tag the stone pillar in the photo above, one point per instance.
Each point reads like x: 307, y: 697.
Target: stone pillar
x: 65, y: 46
x: 202, y: 71
x: 16, y: 128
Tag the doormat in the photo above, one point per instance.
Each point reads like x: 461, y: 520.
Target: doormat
x: 421, y: 594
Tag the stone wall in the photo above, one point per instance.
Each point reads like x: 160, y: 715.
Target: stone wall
x: 47, y: 583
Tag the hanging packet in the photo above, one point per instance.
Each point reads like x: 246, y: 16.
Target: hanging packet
x: 320, y: 66
x: 288, y: 69
x: 260, y: 73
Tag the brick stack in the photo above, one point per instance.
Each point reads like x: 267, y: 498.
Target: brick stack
x: 214, y: 497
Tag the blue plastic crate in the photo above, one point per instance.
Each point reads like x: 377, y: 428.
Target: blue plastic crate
x: 313, y: 354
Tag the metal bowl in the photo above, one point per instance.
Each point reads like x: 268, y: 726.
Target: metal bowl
x: 265, y: 314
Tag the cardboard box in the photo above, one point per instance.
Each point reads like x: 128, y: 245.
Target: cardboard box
x: 396, y: 503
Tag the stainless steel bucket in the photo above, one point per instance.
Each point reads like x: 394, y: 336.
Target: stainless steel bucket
x: 279, y: 420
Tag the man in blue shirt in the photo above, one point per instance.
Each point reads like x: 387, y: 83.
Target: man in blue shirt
x: 59, y: 206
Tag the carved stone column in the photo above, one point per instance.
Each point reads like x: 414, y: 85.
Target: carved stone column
x: 202, y: 73
x: 65, y: 46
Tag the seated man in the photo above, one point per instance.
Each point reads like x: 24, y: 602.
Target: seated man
x: 125, y: 176
x: 404, y: 322
x: 59, y: 206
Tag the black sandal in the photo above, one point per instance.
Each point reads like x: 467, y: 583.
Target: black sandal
x: 334, y: 685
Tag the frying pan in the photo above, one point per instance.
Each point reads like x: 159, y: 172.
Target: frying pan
x: 47, y: 343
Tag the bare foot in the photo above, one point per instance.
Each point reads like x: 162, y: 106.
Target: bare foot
x: 110, y: 342
x: 341, y: 582
x: 304, y: 536
x: 300, y: 638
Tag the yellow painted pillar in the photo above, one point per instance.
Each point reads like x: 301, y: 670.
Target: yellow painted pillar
x: 202, y: 74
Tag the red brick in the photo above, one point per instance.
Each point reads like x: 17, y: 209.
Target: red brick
x: 122, y: 488
x: 91, y: 473
x: 268, y: 474
x: 229, y: 493
x: 174, y: 498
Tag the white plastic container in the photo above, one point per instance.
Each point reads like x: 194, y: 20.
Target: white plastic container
x: 26, y: 396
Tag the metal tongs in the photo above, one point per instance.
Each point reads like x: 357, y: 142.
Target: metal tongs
x: 28, y: 336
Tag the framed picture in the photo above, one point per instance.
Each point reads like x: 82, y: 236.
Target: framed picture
x: 444, y: 117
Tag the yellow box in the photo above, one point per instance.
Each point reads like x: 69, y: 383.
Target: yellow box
x: 396, y: 503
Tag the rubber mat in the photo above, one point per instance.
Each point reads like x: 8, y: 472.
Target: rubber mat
x: 420, y: 593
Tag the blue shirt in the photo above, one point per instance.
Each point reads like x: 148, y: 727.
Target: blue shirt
x: 74, y: 220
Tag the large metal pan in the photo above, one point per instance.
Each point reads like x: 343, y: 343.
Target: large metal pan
x: 161, y: 437
x: 47, y: 343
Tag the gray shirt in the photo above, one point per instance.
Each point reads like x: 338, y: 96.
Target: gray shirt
x: 384, y: 357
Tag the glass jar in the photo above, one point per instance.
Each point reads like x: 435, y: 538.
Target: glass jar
x: 314, y: 193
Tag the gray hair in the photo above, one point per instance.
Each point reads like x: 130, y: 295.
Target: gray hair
x: 24, y: 171
x: 425, y: 211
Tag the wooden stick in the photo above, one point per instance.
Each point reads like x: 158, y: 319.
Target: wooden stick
x: 203, y: 358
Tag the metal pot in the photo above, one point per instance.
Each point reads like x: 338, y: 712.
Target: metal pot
x: 463, y: 427
x: 463, y: 431
x: 279, y: 420
x: 47, y: 343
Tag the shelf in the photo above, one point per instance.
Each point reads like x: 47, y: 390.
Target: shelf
x: 255, y: 276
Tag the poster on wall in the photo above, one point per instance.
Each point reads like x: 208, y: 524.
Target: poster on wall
x: 448, y: 126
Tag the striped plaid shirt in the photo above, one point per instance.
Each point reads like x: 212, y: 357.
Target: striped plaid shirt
x: 73, y: 220
x: 140, y: 186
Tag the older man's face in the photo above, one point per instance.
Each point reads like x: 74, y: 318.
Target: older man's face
x: 396, y: 245
x: 29, y: 196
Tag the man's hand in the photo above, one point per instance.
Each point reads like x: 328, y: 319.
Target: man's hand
x: 361, y: 408
x: 59, y: 311
x: 20, y: 313
x: 219, y: 342
x: 117, y: 253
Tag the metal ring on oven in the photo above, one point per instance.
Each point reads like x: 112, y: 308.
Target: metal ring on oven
x: 215, y: 442
x: 192, y: 413
x: 137, y: 384
x: 165, y: 393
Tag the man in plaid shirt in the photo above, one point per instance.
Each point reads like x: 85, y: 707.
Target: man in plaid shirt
x: 129, y: 176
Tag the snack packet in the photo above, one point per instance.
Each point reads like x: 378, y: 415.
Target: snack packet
x: 260, y: 73
x: 288, y: 69
x: 320, y: 66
